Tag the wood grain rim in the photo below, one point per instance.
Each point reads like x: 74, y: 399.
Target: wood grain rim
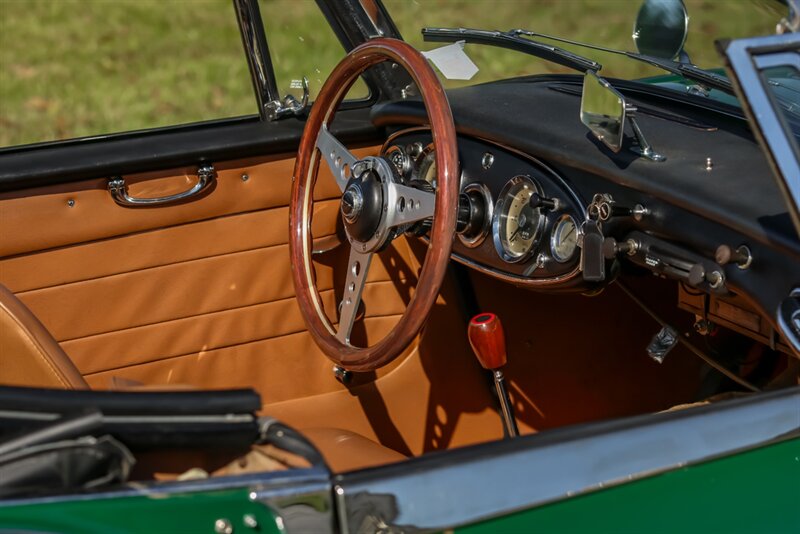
x: 444, y: 223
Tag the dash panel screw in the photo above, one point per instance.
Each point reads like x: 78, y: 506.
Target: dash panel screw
x: 487, y: 161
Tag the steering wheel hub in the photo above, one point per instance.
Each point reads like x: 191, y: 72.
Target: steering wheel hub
x: 362, y: 205
x: 352, y: 202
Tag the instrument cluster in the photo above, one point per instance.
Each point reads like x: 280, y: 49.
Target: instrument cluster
x: 518, y: 220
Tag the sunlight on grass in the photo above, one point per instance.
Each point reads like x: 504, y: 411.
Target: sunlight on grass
x: 608, y: 23
x: 71, y: 68
x: 74, y: 68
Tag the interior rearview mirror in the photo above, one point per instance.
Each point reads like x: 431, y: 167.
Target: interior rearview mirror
x: 603, y: 111
x: 661, y: 27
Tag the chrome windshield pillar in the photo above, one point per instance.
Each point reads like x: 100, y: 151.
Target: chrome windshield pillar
x: 254, y: 39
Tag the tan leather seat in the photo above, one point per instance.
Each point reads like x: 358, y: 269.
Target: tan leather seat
x: 347, y: 451
x: 29, y: 356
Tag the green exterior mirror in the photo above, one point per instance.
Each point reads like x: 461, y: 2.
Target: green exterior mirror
x: 603, y: 110
x: 661, y: 27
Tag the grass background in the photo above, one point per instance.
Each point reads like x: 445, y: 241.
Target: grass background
x: 71, y: 68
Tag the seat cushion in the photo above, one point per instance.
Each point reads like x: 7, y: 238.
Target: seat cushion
x: 29, y: 356
x: 347, y: 451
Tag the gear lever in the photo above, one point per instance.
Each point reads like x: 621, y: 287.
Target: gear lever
x: 485, y: 332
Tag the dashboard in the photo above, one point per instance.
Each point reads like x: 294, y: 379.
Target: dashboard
x: 519, y: 220
x: 533, y: 178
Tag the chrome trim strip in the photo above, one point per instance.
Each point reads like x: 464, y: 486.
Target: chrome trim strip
x: 519, y: 281
x: 391, y: 138
x: 457, y: 488
x: 266, y: 484
x: 187, y: 418
x: 254, y: 41
x: 227, y: 418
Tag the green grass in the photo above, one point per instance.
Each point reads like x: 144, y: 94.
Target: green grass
x: 608, y: 23
x: 74, y: 68
x: 71, y: 68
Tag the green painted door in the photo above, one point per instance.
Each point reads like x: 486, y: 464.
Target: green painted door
x: 753, y: 492
x: 155, y: 513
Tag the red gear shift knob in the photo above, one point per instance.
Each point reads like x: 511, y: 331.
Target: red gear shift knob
x: 485, y: 333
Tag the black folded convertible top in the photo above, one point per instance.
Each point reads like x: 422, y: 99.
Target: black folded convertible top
x: 140, y: 420
x: 187, y: 402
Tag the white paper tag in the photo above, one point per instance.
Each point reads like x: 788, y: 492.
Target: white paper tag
x: 452, y: 61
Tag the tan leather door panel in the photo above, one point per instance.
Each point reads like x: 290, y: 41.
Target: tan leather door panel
x: 197, y: 293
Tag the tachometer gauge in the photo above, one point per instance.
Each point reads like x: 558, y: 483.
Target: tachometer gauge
x: 564, y: 239
x: 516, y: 226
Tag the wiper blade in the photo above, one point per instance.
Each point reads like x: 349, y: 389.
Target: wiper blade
x: 684, y: 70
x: 512, y: 41
x: 687, y: 71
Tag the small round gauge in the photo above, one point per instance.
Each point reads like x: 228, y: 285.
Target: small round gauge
x: 516, y: 225
x: 564, y: 239
x: 399, y: 159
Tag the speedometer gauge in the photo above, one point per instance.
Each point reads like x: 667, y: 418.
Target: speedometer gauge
x: 516, y: 225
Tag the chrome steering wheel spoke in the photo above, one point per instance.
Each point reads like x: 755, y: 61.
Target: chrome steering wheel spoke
x: 357, y: 269
x: 408, y: 205
x: 339, y: 159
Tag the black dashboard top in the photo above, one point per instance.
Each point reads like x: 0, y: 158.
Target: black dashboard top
x: 714, y: 191
x: 540, y: 116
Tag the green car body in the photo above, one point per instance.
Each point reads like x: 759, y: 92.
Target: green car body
x: 755, y: 491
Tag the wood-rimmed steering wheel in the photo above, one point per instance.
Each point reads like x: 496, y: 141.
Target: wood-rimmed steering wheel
x: 375, y: 207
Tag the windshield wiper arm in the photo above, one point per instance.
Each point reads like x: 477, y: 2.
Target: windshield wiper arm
x: 684, y: 70
x: 687, y: 71
x: 512, y: 41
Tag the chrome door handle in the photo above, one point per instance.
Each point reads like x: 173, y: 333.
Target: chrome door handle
x: 119, y: 191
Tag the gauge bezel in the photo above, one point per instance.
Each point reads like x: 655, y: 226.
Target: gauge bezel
x: 499, y: 211
x: 556, y: 225
x: 406, y: 167
x: 482, y: 190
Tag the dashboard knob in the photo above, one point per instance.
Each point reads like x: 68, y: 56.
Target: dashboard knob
x: 612, y: 248
x: 740, y: 256
x: 698, y: 275
x: 543, y: 203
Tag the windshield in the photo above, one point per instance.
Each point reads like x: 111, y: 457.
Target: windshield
x: 608, y: 23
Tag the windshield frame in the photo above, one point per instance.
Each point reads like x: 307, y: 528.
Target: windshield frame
x: 746, y: 59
